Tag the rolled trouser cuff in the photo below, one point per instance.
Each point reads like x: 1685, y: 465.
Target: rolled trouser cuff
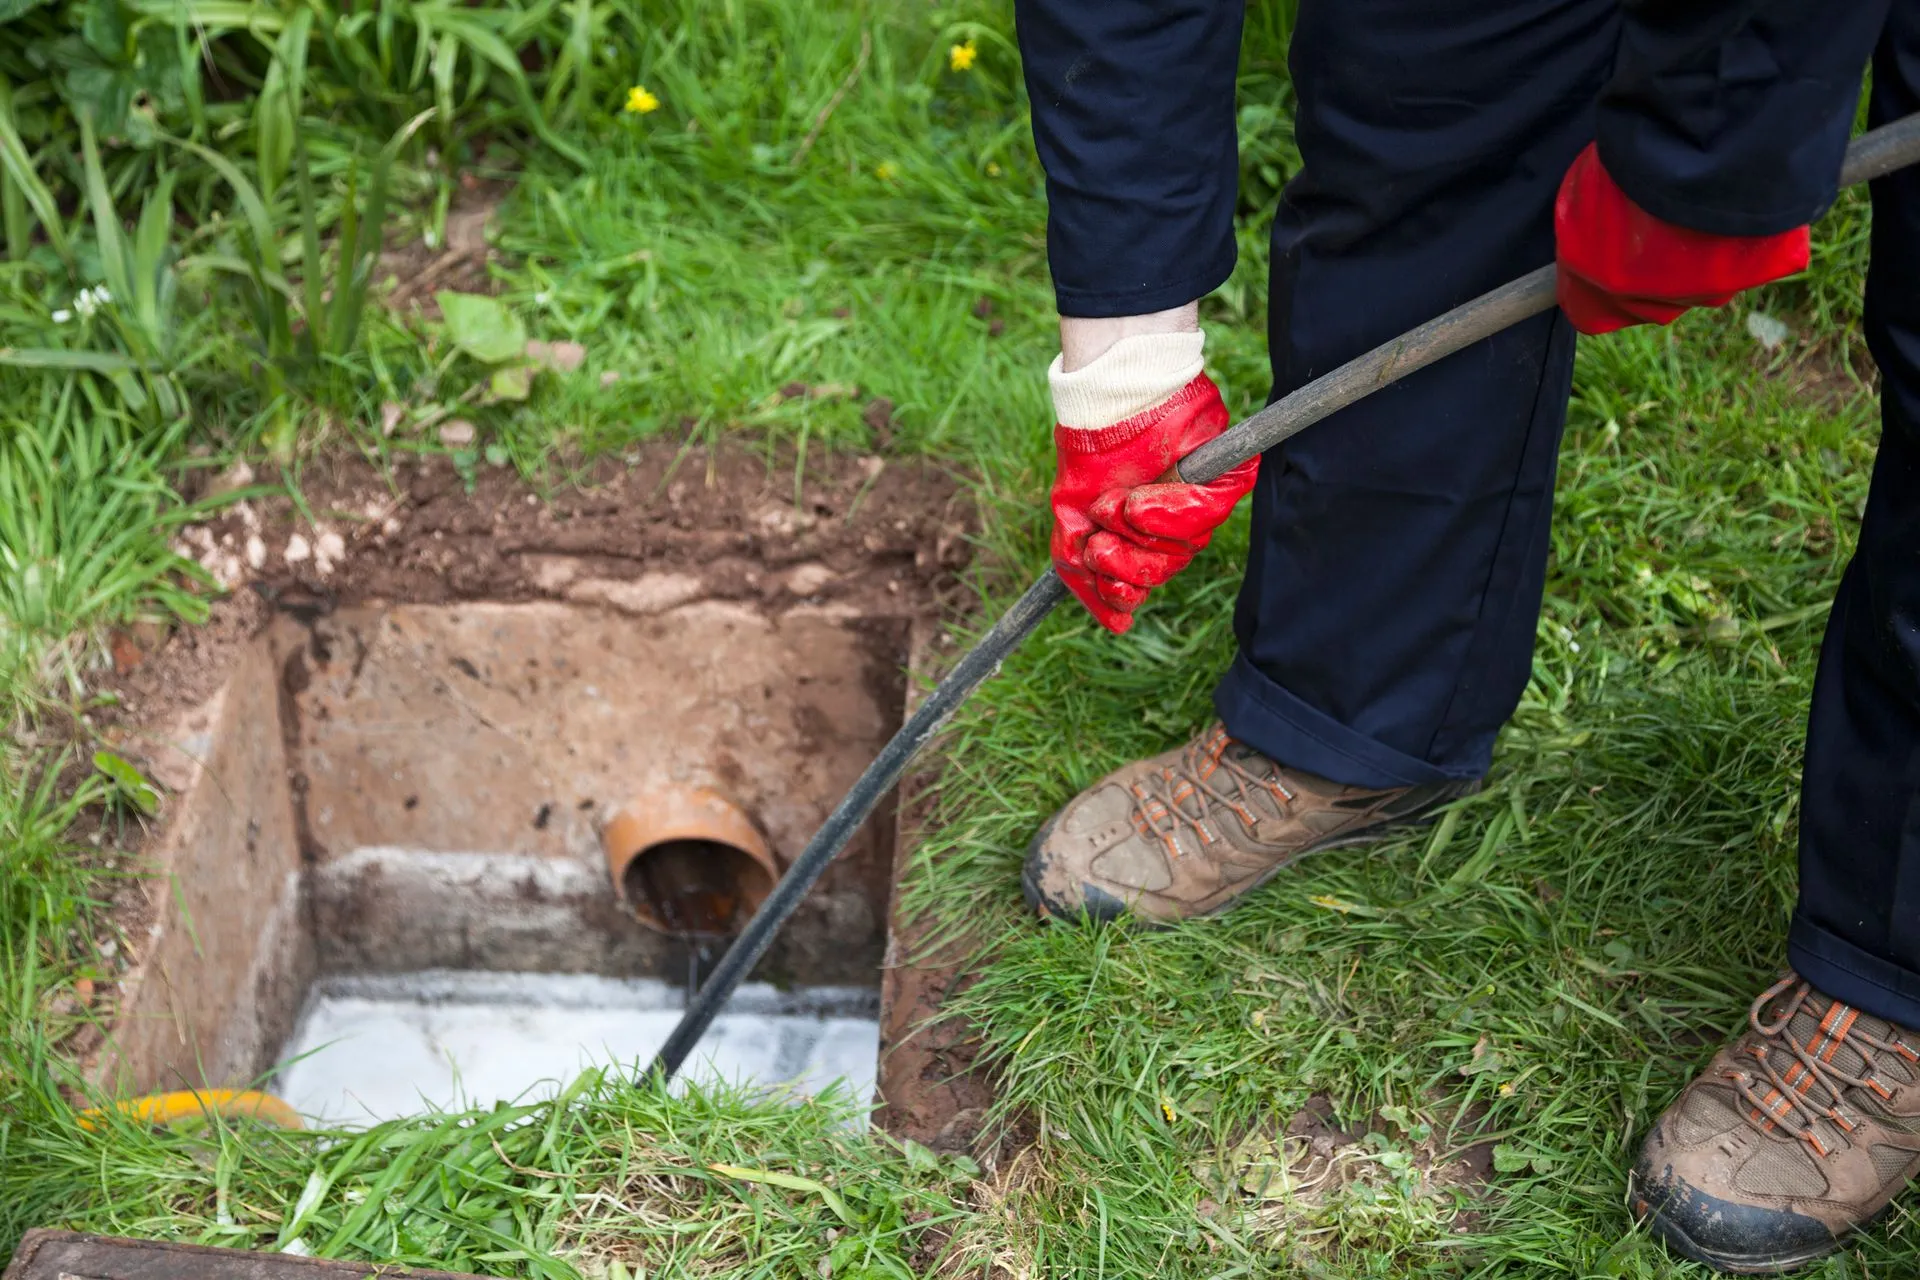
x: 1274, y: 722
x: 1847, y: 973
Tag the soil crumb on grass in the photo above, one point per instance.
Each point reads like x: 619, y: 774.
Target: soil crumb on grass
x: 1399, y: 1182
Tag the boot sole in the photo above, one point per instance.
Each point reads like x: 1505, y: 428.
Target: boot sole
x: 1675, y: 1238
x: 1043, y: 905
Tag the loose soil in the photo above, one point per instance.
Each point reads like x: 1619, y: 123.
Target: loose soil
x: 670, y: 527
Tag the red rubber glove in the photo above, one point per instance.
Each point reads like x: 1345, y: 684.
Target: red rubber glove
x: 1620, y: 265
x: 1121, y: 524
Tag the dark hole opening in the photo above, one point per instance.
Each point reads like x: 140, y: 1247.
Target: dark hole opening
x: 696, y: 888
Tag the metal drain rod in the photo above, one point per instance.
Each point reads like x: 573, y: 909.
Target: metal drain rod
x: 1871, y: 155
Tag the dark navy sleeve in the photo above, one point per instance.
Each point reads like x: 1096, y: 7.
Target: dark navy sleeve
x: 1731, y: 116
x: 1133, y: 117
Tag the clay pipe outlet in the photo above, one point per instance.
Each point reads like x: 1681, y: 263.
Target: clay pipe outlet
x: 687, y: 861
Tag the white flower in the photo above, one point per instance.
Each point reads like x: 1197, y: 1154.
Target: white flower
x: 88, y: 301
x: 62, y: 316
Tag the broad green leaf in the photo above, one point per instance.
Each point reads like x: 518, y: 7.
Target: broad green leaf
x: 1511, y: 1159
x: 1508, y: 1159
x: 482, y: 326
x: 511, y: 382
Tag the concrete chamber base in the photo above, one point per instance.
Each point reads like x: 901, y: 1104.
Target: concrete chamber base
x: 375, y: 1048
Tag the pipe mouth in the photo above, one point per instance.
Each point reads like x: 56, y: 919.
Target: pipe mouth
x: 688, y: 862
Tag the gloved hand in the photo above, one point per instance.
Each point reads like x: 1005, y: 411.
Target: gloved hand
x: 1620, y: 265
x: 1121, y: 526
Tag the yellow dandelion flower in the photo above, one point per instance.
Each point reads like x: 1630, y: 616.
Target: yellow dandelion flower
x: 885, y: 171
x: 962, y: 56
x: 1506, y: 1090
x: 1166, y: 1108
x: 993, y: 169
x: 640, y: 101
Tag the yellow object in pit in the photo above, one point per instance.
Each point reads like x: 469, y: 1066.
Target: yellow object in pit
x: 229, y: 1104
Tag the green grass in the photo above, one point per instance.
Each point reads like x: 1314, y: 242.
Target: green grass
x: 820, y: 199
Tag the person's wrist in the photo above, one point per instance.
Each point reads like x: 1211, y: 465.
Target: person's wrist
x: 1084, y: 339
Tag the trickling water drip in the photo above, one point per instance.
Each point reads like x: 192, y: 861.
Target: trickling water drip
x: 699, y: 955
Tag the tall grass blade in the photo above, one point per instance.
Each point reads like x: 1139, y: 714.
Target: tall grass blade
x: 26, y: 185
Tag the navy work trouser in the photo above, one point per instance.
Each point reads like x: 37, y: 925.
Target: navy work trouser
x: 1387, y: 618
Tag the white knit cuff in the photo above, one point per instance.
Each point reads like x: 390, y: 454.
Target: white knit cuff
x: 1131, y: 376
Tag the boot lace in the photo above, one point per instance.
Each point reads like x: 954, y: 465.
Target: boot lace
x: 1810, y: 1088
x: 1209, y: 771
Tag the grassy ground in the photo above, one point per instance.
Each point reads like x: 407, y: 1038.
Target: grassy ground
x: 819, y: 196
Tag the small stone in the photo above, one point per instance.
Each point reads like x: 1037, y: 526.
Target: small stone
x: 648, y: 594
x: 551, y: 573
x: 781, y: 520
x: 1767, y: 331
x: 237, y: 476
x: 329, y: 548
x: 390, y: 414
x: 298, y: 549
x: 256, y: 552
x: 457, y: 434
x: 809, y: 579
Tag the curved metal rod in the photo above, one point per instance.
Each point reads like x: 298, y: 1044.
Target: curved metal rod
x: 1870, y: 156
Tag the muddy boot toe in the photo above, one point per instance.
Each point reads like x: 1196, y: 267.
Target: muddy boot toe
x: 1798, y: 1133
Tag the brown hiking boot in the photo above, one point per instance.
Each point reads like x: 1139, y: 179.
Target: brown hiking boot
x: 1798, y: 1132
x: 1191, y: 831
